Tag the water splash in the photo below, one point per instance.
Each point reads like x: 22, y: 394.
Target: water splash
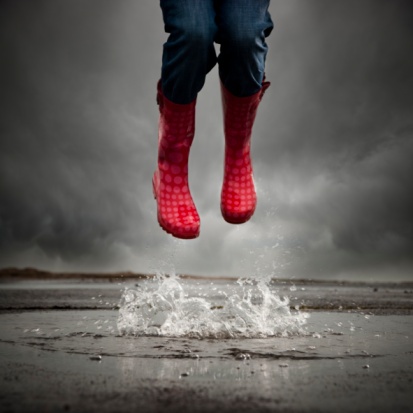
x: 169, y: 306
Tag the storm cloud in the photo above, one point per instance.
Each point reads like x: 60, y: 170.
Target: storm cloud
x: 332, y: 144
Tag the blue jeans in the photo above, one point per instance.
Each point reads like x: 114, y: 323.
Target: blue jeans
x: 239, y: 26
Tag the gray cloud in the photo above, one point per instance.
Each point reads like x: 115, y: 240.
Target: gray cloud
x: 332, y: 145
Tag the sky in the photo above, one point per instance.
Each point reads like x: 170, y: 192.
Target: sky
x: 332, y: 144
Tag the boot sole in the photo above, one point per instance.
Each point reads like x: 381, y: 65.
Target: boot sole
x: 236, y: 221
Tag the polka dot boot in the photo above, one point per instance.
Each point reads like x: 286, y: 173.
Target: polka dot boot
x: 177, y: 213
x: 238, y: 195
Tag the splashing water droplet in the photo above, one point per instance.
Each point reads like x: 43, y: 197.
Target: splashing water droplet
x: 162, y: 307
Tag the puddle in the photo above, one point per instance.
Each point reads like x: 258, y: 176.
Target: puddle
x: 326, y: 336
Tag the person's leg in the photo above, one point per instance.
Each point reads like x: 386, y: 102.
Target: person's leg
x: 187, y: 57
x: 189, y: 53
x: 243, y: 26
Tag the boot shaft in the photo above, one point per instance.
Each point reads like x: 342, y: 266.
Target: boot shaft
x: 239, y: 115
x: 176, y: 133
x: 176, y: 122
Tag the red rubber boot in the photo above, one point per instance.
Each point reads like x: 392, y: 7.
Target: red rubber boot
x: 177, y: 213
x: 238, y: 196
